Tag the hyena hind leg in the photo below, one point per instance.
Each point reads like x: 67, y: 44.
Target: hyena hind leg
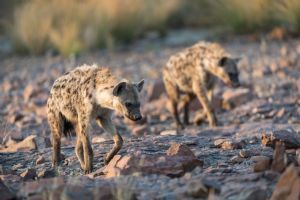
x: 186, y: 101
x: 173, y: 95
x: 56, y: 127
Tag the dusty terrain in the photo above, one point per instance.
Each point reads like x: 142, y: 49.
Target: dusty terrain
x: 236, y: 160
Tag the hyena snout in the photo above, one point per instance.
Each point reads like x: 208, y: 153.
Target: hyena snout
x: 135, y: 116
x: 234, y: 78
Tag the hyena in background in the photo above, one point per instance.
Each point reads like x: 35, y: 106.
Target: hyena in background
x: 84, y: 94
x: 193, y: 72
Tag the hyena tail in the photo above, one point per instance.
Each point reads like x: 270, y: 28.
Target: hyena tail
x: 68, y: 127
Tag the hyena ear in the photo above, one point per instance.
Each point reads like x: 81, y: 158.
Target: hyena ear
x: 237, y: 60
x: 119, y: 88
x: 140, y: 85
x: 223, y: 61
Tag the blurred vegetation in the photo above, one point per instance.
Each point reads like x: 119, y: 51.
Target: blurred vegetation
x: 74, y: 26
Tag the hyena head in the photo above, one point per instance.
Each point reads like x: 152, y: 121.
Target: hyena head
x: 127, y: 99
x: 230, y: 67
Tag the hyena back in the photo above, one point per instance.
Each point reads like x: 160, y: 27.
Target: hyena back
x: 84, y: 94
x: 193, y: 72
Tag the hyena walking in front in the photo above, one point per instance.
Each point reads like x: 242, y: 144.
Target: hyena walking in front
x: 193, y: 72
x: 84, y: 94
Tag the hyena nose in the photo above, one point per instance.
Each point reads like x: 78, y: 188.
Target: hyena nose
x: 137, y: 117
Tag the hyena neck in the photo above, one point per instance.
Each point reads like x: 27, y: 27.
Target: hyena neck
x: 106, y: 99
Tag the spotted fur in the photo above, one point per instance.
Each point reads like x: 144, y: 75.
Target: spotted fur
x: 84, y: 94
x: 193, y: 72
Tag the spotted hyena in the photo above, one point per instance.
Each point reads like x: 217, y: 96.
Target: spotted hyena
x: 84, y: 94
x: 193, y: 72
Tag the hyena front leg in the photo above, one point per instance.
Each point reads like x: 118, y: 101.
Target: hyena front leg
x: 79, y: 149
x: 173, y: 94
x: 201, y: 95
x: 106, y: 123
x: 83, y: 123
x: 56, y: 127
x: 186, y: 101
x: 201, y: 115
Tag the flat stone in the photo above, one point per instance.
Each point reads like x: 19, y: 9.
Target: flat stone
x: 290, y: 138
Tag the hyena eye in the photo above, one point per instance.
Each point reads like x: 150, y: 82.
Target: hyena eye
x: 128, y: 104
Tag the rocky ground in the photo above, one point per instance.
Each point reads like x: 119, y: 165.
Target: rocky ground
x: 253, y: 154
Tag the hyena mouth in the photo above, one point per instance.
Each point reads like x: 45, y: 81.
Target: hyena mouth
x: 234, y: 80
x: 134, y: 117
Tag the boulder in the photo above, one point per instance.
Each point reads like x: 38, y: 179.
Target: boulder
x: 279, y: 158
x: 288, y: 185
x: 261, y: 163
x: 178, y: 160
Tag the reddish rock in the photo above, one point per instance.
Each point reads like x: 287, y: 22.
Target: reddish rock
x: 180, y: 150
x: 279, y: 158
x: 179, y: 159
x: 29, y: 174
x: 288, y: 185
x: 46, y: 173
x: 291, y: 139
x: 140, y: 130
x: 236, y: 97
x: 261, y: 163
x: 228, y: 144
x: 29, y: 143
x: 168, y: 132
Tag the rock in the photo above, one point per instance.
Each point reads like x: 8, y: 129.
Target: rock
x: 288, y: 185
x: 248, y: 153
x: 236, y: 159
x: 5, y: 193
x: 252, y: 193
x: 261, y: 163
x: 202, y: 188
x: 98, y: 139
x: 140, y: 130
x: 29, y: 143
x: 40, y: 160
x: 179, y: 159
x: 180, y: 150
x: 29, y: 174
x: 46, y: 173
x: 228, y: 144
x: 279, y: 158
x: 98, y: 172
x: 17, y: 166
x: 169, y: 132
x: 291, y: 139
x: 236, y: 97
